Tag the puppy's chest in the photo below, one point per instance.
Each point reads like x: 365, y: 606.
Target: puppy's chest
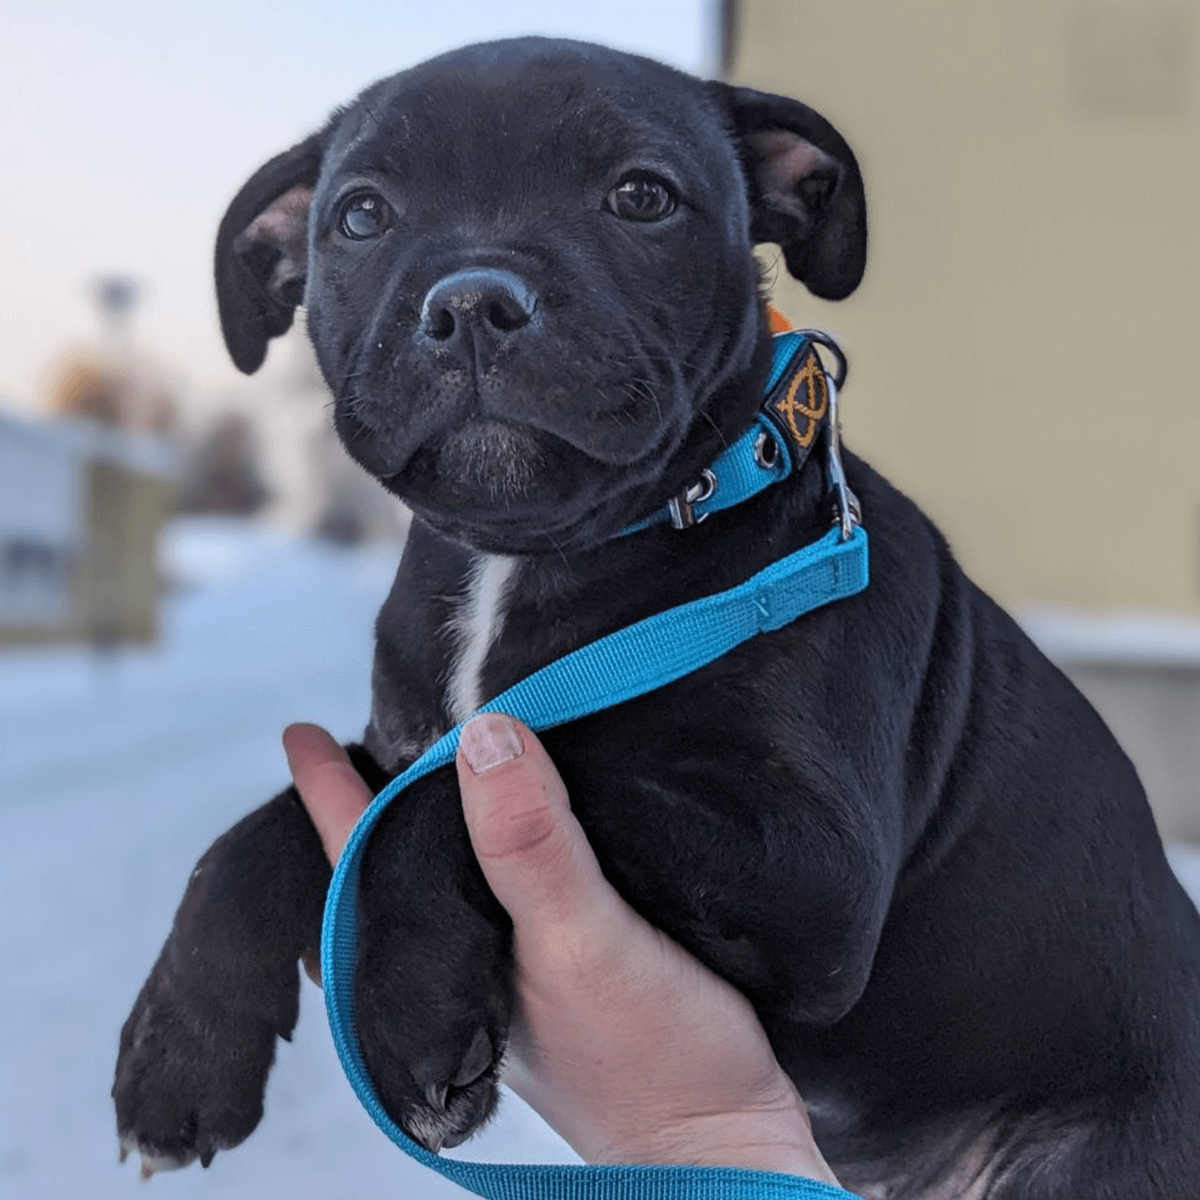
x: 474, y: 629
x: 431, y: 668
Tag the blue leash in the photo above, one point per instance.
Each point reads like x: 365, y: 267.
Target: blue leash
x: 631, y: 662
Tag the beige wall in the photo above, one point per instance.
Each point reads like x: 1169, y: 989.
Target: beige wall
x: 1023, y: 348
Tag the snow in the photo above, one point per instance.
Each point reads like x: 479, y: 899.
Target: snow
x: 114, y: 776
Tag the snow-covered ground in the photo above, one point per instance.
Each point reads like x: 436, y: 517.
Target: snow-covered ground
x: 114, y: 776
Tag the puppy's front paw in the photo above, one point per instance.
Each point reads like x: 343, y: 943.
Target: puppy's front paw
x: 190, y: 1077
x: 449, y: 1094
x: 432, y: 1043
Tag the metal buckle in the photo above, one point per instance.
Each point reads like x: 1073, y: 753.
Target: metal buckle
x: 682, y: 516
x: 847, y: 512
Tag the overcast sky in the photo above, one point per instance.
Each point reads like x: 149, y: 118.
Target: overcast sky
x: 127, y: 125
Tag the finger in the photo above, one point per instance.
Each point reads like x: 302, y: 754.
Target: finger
x: 333, y: 792
x: 533, y: 852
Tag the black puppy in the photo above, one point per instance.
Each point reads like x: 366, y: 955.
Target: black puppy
x: 892, y: 824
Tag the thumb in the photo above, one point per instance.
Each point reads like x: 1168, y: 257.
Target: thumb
x: 329, y: 786
x: 531, y: 848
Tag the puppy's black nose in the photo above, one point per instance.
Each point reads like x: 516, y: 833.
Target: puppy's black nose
x: 481, y: 298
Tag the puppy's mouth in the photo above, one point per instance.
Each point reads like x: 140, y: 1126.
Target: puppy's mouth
x: 491, y: 459
x: 524, y: 462
x: 504, y: 487
x: 485, y: 469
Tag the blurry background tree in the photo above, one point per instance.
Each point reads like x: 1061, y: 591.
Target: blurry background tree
x: 222, y: 473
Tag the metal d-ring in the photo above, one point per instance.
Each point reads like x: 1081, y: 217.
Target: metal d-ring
x: 682, y: 516
x: 847, y: 510
x: 830, y: 343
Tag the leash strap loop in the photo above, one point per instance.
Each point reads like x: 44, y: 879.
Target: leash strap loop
x: 631, y: 662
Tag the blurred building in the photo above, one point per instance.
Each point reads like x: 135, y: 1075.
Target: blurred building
x: 41, y: 510
x: 81, y: 505
x: 84, y: 494
x: 1021, y: 345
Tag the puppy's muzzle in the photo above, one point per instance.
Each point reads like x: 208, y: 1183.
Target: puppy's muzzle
x: 478, y: 303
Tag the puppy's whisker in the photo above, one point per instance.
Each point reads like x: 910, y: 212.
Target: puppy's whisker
x: 724, y: 439
x: 559, y: 551
x: 642, y: 389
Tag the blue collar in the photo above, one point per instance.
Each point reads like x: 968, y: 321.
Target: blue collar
x: 799, y: 402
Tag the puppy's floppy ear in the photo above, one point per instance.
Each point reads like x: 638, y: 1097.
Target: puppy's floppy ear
x: 262, y: 252
x: 806, y: 192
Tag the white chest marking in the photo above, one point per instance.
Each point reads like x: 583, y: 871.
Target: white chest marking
x: 477, y: 623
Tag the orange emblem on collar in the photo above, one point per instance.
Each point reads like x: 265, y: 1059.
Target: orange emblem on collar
x: 803, y: 415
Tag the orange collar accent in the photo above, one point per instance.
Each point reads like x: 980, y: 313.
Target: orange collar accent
x: 779, y: 323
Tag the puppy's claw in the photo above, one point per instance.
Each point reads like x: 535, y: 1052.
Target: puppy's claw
x: 477, y: 1059
x: 435, y: 1095
x: 456, y: 1106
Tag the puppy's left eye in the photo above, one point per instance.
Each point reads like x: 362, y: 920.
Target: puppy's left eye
x: 641, y: 196
x: 365, y: 215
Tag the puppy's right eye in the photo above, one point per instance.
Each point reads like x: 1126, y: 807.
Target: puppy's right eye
x: 365, y: 215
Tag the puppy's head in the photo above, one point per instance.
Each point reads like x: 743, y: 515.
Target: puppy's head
x: 528, y: 275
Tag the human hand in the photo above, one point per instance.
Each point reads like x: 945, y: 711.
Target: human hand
x: 627, y: 1045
